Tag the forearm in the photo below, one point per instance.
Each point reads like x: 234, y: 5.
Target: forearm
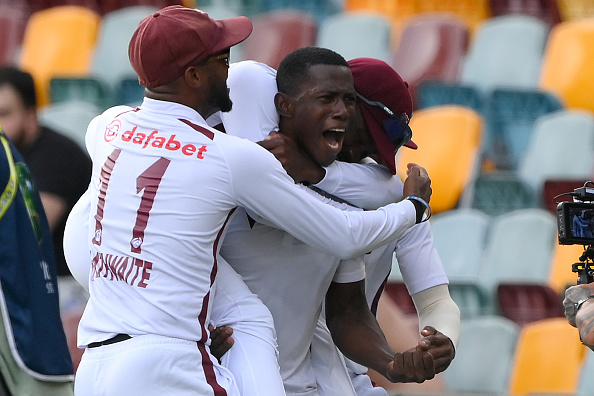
x: 584, y: 320
x: 356, y: 333
x: 436, y: 308
x: 368, y: 186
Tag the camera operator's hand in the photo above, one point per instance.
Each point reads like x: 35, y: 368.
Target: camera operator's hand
x: 579, y: 309
x: 573, y: 296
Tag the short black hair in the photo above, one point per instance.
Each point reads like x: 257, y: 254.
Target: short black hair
x: 22, y: 82
x: 294, y: 68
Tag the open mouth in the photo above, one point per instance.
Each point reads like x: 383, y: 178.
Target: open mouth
x: 334, y: 138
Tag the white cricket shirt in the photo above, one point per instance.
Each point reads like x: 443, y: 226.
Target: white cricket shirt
x: 163, y: 188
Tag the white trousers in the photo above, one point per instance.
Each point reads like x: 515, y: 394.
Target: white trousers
x: 151, y: 365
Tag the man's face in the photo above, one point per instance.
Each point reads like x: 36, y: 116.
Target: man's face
x: 218, y: 66
x: 322, y: 110
x: 358, y: 143
x: 14, y: 117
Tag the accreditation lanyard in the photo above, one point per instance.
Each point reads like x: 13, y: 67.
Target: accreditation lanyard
x: 11, y: 188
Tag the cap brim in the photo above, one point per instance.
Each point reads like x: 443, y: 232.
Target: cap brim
x: 235, y: 30
x: 411, y: 144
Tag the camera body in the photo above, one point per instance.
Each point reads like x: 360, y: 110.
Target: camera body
x: 575, y: 226
x: 575, y: 223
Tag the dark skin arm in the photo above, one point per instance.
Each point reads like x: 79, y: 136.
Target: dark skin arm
x: 301, y: 167
x: 298, y: 164
x: 357, y: 334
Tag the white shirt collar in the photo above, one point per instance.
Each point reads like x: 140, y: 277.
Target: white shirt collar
x: 172, y: 109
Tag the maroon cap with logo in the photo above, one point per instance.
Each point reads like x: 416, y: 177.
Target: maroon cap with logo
x: 377, y: 81
x: 171, y: 39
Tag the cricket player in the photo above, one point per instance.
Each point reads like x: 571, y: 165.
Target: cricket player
x: 163, y: 190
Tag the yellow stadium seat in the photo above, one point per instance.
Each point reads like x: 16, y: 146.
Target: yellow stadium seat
x: 567, y: 63
x: 575, y: 9
x: 449, y: 139
x: 473, y: 12
x: 561, y: 275
x: 390, y: 8
x: 58, y: 41
x: 548, y: 359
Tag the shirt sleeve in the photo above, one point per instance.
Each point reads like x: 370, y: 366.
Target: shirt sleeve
x: 368, y: 186
x: 261, y: 185
x: 350, y: 270
x: 252, y: 87
x: 419, y: 263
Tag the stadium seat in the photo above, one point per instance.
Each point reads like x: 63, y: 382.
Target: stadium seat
x: 39, y: 5
x: 561, y: 275
x: 472, y: 12
x: 70, y: 118
x: 58, y: 42
x: 460, y: 236
x: 130, y: 92
x: 278, y: 33
x: 496, y: 193
x: 356, y: 35
x: 567, y: 64
x: 571, y: 10
x: 545, y: 10
x: 438, y: 93
x: 548, y: 359
x: 113, y: 5
x: 12, y: 28
x: 397, y: 11
x: 527, y: 303
x: 496, y: 57
x: 321, y: 10
x: 510, y: 116
x: 554, y: 155
x: 586, y: 381
x: 555, y: 191
x: 86, y: 89
x: 472, y: 299
x: 471, y: 372
x: 449, y: 140
x: 390, y: 8
x: 519, y: 249
x: 431, y: 47
x: 464, y: 284
x: 110, y: 61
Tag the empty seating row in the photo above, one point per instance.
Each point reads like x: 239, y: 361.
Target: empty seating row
x: 509, y: 265
x: 496, y: 356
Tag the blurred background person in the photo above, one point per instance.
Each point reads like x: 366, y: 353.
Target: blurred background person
x: 34, y: 355
x: 61, y: 170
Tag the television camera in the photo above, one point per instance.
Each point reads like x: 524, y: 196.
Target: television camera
x: 575, y: 225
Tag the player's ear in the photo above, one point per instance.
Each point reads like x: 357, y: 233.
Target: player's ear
x: 284, y: 104
x: 194, y: 76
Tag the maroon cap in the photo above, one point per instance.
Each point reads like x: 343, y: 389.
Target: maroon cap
x: 377, y: 81
x: 171, y: 39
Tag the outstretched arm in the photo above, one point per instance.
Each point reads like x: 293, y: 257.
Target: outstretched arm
x: 357, y: 334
